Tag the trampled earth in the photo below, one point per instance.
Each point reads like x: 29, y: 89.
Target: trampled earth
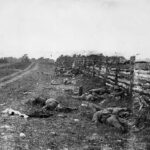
x: 61, y: 131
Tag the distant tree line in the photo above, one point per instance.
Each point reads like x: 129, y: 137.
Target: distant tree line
x: 87, y: 60
x: 3, y: 60
x: 24, y: 58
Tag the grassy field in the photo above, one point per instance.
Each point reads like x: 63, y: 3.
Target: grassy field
x: 62, y: 131
x: 6, y: 70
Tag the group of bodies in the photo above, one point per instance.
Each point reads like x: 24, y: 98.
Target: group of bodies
x: 113, y: 116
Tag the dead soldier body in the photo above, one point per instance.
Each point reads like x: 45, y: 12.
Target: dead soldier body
x: 92, y: 95
x: 100, y: 91
x: 110, y: 116
x: 45, y: 111
x: 50, y: 105
x: 117, y: 92
x: 143, y: 114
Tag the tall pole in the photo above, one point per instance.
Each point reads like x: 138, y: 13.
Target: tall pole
x: 132, y: 64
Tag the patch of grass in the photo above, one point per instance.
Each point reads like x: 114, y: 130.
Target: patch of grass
x: 12, y: 68
x: 18, y: 65
x: 69, y: 133
x: 6, y: 72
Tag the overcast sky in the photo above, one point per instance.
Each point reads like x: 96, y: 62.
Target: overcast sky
x: 45, y: 27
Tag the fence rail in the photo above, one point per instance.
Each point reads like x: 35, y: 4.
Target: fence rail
x: 115, y: 71
x: 123, y: 75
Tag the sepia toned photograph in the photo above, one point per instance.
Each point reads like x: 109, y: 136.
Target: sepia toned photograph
x: 74, y: 74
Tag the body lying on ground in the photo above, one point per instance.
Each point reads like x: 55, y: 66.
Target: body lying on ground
x: 117, y: 91
x: 91, y: 106
x: 142, y: 111
x: 112, y: 117
x: 85, y: 96
x: 65, y: 109
x: 43, y: 113
x: 101, y: 93
x: 51, y: 104
x: 92, y: 95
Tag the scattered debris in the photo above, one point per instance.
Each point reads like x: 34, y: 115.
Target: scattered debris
x: 66, y: 81
x: 65, y: 148
x: 73, y: 82
x: 6, y: 127
x: 62, y: 115
x: 53, y: 82
x: 27, y: 92
x: 22, y: 135
x: 10, y: 111
x: 2, y: 104
x: 76, y: 120
x: 53, y: 133
x: 94, y: 137
x: 2, y: 134
x: 64, y: 109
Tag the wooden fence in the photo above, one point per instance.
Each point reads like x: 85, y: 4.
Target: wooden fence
x: 114, y: 73
x: 122, y: 74
x: 117, y: 72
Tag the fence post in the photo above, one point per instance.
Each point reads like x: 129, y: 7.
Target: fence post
x: 93, y: 70
x: 117, y: 71
x: 80, y: 90
x: 106, y: 73
x: 100, y: 67
x: 85, y: 63
x: 132, y: 63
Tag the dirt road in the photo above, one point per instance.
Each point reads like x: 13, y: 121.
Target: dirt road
x: 57, y: 132
x: 7, y: 128
x: 15, y: 76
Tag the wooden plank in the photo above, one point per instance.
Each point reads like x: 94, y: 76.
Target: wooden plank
x: 132, y: 62
x: 123, y: 85
x: 141, y: 92
x: 121, y: 66
x: 127, y: 82
x: 124, y: 76
x: 110, y: 81
x: 142, y: 78
x: 109, y: 85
